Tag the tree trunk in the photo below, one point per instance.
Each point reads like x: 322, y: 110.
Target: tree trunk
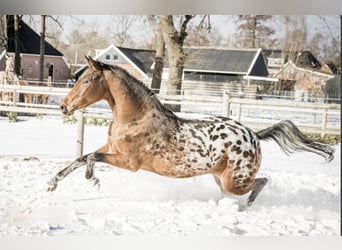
x: 3, y: 32
x: 174, y: 41
x: 254, y: 27
x: 159, y: 61
x: 42, y: 49
x: 17, y: 59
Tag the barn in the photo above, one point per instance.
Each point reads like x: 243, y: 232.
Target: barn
x: 55, y: 65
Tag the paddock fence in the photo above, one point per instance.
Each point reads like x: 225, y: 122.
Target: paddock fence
x: 315, y: 118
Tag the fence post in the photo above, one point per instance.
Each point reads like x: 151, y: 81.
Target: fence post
x: 14, y: 97
x: 238, y: 113
x: 226, y: 104
x: 324, y: 121
x: 80, y: 133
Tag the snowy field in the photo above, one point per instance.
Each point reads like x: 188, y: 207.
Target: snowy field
x: 301, y: 198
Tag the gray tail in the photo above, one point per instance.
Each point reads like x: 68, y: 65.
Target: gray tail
x: 290, y: 139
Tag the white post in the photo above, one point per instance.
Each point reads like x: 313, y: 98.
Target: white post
x: 226, y: 103
x: 324, y: 121
x: 80, y: 133
x: 239, y: 112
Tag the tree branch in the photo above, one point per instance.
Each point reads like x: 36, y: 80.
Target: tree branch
x: 182, y: 32
x: 56, y: 21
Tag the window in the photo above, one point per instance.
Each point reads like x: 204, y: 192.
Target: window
x: 112, y: 57
x: 275, y: 62
x: 29, y: 70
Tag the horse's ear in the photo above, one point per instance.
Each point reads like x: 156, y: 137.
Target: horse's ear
x: 93, y: 64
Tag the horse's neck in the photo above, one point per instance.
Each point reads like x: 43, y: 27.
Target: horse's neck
x: 126, y: 104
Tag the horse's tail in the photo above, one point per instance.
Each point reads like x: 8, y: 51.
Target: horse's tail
x: 290, y: 139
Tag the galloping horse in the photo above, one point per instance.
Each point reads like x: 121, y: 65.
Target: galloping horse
x: 146, y: 135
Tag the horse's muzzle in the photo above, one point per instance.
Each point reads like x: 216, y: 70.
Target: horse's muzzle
x: 64, y: 109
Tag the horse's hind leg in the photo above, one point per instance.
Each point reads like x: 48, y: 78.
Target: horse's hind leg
x: 258, y: 185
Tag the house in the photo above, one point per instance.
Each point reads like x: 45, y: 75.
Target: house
x: 222, y: 64
x: 137, y: 62
x: 308, y: 84
x: 55, y: 65
x: 202, y: 64
x: 275, y: 59
x: 214, y: 67
x: 333, y: 90
x: 238, y: 71
x: 300, y: 72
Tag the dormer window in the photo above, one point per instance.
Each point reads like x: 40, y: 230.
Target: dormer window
x: 275, y: 62
x: 112, y: 57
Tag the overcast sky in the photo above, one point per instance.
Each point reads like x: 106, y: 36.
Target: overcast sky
x: 225, y: 24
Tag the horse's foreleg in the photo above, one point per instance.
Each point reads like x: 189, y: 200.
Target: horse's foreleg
x: 64, y: 172
x: 91, y: 159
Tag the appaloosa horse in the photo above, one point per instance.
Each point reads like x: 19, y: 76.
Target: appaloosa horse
x: 146, y: 135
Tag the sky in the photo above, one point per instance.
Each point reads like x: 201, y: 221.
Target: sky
x: 225, y: 24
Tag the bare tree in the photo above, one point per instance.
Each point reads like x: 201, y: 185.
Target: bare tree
x: 42, y: 43
x: 254, y: 30
x: 174, y: 40
x: 199, y: 34
x: 158, y: 61
x: 42, y: 49
x: 3, y: 32
x: 82, y: 41
x: 330, y: 49
x: 120, y: 29
x: 17, y: 59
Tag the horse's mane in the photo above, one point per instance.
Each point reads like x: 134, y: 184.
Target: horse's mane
x: 137, y: 87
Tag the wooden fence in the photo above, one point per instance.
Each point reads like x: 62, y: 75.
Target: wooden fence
x: 325, y: 117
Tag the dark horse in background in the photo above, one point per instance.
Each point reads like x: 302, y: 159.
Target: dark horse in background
x: 146, y: 135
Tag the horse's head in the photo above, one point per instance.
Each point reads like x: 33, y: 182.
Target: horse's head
x: 88, y: 89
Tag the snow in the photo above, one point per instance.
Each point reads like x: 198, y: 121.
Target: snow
x: 301, y: 198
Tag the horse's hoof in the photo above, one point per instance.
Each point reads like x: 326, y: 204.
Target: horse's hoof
x: 51, y: 188
x: 244, y: 207
x: 97, y: 184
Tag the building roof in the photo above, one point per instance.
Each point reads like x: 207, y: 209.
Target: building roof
x: 199, y: 59
x: 144, y: 59
x: 141, y: 59
x: 303, y: 59
x: 29, y: 40
x: 225, y: 60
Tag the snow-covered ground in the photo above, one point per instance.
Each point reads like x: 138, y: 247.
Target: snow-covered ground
x: 301, y: 198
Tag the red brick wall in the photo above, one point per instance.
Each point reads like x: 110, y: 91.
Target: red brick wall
x: 30, y: 68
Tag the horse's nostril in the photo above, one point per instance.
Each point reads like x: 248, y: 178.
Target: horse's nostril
x: 63, y: 108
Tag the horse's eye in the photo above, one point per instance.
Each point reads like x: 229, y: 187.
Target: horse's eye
x: 85, y: 82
